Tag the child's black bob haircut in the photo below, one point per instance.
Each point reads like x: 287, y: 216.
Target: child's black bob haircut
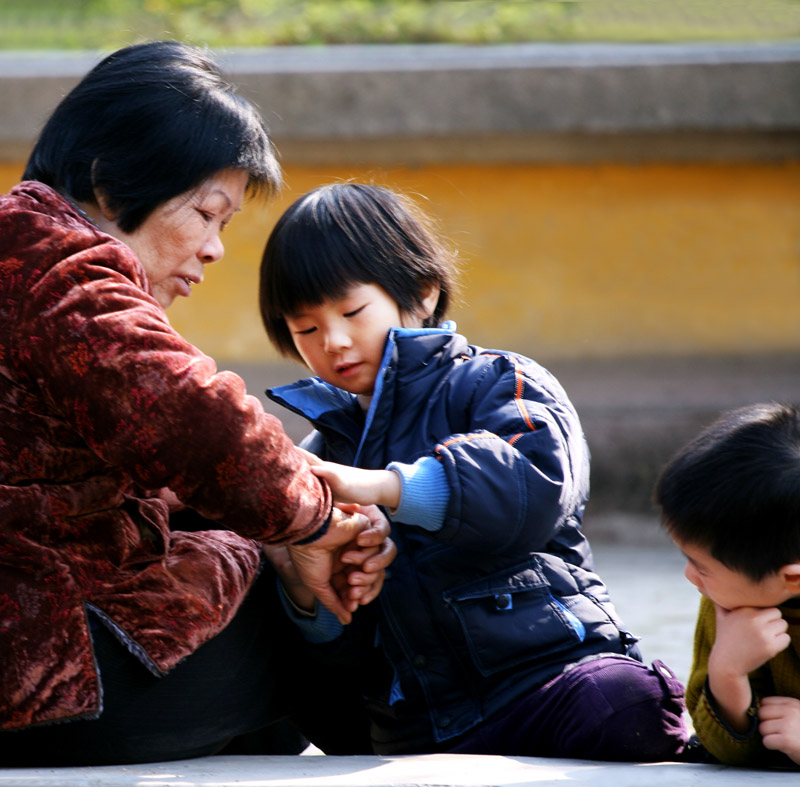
x: 344, y: 234
x: 146, y: 124
x: 735, y: 490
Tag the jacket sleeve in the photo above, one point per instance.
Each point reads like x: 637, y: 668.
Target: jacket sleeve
x: 521, y: 468
x: 105, y: 359
x: 729, y: 747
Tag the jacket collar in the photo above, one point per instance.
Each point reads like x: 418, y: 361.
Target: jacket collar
x: 407, y: 352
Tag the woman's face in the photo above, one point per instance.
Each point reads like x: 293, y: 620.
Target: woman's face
x: 181, y: 236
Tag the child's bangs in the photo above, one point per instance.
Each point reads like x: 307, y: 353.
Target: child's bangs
x: 315, y: 272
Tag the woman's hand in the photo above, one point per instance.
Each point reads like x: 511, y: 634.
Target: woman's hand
x: 320, y: 563
x: 356, y: 485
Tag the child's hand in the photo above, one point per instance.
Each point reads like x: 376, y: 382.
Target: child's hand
x: 779, y: 725
x: 357, y: 569
x: 355, y: 485
x: 746, y: 638
x: 365, y: 563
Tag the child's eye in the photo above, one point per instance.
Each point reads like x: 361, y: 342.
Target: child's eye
x: 306, y: 331
x: 354, y: 312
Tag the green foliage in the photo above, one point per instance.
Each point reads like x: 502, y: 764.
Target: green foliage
x: 107, y: 24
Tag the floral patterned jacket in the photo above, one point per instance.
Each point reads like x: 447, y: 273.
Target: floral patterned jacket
x: 100, y: 400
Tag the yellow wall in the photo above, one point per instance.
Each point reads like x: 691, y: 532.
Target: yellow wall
x: 568, y: 260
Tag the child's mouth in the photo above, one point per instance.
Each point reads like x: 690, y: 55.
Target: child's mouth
x: 348, y: 369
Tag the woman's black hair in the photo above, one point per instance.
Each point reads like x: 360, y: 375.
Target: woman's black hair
x: 735, y: 490
x: 147, y: 123
x: 345, y: 234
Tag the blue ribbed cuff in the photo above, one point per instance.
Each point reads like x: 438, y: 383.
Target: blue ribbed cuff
x: 425, y: 495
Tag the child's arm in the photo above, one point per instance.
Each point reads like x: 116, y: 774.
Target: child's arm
x: 415, y: 493
x: 356, y: 485
x: 779, y: 725
x: 746, y: 638
x: 717, y: 735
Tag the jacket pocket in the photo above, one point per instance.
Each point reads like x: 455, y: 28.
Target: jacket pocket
x: 508, y: 619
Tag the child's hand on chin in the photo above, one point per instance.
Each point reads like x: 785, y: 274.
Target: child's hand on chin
x: 779, y: 725
x: 748, y: 637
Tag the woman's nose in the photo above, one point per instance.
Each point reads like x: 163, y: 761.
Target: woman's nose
x: 212, y: 250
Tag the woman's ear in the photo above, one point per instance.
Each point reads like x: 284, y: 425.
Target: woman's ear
x: 101, y: 197
x: 790, y: 574
x: 104, y: 205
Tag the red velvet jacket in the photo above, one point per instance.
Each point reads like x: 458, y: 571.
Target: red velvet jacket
x: 101, y: 399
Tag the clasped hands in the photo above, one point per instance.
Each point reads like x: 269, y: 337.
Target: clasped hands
x: 346, y: 567
x: 343, y: 569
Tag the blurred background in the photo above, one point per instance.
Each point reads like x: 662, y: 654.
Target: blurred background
x: 621, y: 179
x: 109, y: 24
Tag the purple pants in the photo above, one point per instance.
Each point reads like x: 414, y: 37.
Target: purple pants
x: 606, y: 708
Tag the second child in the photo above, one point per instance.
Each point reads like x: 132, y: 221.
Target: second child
x: 730, y: 499
x: 493, y: 633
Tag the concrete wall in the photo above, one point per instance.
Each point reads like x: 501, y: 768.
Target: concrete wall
x: 607, y: 200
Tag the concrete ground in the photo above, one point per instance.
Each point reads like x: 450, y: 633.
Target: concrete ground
x: 424, y: 770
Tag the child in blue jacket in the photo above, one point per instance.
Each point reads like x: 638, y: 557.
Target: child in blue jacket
x: 492, y: 634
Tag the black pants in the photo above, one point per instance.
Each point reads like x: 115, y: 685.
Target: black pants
x: 234, y: 685
x: 255, y: 688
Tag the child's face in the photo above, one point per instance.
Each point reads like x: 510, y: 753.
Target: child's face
x: 341, y: 340
x: 728, y: 588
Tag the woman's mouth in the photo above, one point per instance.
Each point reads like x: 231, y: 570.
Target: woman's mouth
x: 185, y: 285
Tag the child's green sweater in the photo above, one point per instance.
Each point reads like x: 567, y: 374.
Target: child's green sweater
x: 780, y: 676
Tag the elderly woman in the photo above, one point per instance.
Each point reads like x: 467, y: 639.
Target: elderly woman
x: 151, y: 642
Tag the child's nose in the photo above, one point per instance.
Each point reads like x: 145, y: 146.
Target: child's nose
x: 336, y: 340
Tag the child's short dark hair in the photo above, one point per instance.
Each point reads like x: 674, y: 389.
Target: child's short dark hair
x: 735, y: 489
x: 345, y: 234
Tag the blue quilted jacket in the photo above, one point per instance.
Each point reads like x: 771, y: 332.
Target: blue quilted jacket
x: 504, y: 595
